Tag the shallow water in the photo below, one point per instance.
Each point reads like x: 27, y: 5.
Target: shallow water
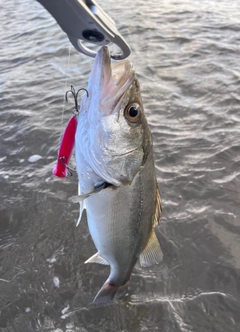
x: 186, y: 54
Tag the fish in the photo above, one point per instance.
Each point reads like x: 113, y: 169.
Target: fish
x: 117, y: 180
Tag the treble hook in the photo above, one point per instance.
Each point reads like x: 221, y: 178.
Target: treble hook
x: 75, y: 96
x: 69, y: 169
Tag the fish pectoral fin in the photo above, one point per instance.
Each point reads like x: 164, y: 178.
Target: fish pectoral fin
x: 81, y: 197
x: 97, y: 259
x: 152, y: 253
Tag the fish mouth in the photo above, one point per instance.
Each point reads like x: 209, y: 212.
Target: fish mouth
x: 109, y: 83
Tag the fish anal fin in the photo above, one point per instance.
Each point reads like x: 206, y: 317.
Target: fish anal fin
x: 109, y: 292
x: 96, y: 258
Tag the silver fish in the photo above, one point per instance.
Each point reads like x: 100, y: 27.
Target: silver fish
x: 118, y: 186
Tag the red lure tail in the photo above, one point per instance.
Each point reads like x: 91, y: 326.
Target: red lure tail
x: 66, y: 148
x: 68, y: 139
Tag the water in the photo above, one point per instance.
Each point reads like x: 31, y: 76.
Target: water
x: 186, y: 54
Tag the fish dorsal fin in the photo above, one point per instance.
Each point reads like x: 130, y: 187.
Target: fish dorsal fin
x: 152, y: 253
x: 158, y: 209
x: 97, y: 259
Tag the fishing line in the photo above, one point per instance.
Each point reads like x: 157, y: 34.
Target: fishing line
x: 67, y: 138
x: 65, y: 88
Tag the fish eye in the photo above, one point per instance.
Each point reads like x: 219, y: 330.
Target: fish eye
x: 132, y: 112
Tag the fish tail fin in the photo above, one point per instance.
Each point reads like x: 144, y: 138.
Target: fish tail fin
x: 109, y: 292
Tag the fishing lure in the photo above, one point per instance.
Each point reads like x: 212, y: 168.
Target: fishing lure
x: 62, y: 169
x: 66, y: 148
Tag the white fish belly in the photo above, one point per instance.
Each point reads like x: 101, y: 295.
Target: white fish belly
x: 120, y: 221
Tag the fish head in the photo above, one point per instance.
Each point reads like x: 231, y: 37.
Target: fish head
x: 113, y: 134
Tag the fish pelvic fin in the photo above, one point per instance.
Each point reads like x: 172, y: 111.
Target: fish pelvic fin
x: 81, y: 207
x: 152, y: 253
x: 79, y: 198
x: 110, y: 292
x: 97, y: 259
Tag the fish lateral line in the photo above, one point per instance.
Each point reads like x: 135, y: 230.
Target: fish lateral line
x: 80, y: 198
